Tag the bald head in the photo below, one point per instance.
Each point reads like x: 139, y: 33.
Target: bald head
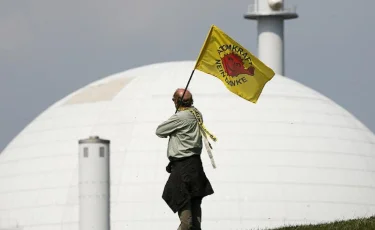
x: 187, y: 101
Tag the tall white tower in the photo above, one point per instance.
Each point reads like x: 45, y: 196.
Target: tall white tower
x: 270, y: 15
x: 94, y: 187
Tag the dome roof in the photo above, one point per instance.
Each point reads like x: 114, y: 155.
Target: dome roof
x: 294, y: 157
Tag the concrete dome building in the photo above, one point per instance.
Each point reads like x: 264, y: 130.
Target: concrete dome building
x: 294, y: 157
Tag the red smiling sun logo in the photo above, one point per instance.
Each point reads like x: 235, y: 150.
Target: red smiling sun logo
x: 233, y: 65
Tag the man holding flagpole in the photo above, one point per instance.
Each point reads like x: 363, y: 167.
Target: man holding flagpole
x: 187, y: 184
x: 243, y: 74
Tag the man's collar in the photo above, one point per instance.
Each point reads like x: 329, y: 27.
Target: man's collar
x: 184, y: 108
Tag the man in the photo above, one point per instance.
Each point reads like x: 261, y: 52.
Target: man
x: 187, y: 184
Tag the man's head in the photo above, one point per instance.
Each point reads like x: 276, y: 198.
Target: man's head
x: 187, y: 101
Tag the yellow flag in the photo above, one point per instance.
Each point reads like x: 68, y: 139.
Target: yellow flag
x: 240, y: 71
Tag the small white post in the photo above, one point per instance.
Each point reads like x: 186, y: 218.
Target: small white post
x: 94, y: 184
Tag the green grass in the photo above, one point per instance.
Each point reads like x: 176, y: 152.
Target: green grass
x: 355, y: 224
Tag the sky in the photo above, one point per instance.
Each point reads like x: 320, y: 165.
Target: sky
x: 49, y: 49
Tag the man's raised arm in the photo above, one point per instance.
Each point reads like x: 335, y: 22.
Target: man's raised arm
x: 168, y: 127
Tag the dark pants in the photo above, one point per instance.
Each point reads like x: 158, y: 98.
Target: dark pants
x: 186, y: 181
x: 191, y: 215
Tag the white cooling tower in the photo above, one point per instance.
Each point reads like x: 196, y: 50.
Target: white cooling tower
x: 294, y: 157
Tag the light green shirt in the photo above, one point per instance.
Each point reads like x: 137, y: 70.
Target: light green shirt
x: 185, y: 138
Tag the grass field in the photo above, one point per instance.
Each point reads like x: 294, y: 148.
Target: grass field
x: 357, y: 224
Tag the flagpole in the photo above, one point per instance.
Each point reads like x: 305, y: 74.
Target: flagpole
x: 178, y: 104
x: 200, y: 54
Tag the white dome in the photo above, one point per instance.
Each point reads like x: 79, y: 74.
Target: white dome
x: 294, y: 157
